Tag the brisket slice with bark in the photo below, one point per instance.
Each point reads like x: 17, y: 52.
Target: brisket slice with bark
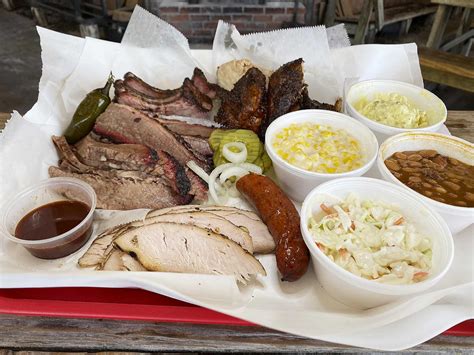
x: 126, y: 194
x: 123, y: 124
x: 115, y: 188
x: 134, y: 157
x: 115, y: 156
x: 200, y: 145
x: 185, y: 128
x: 244, y: 106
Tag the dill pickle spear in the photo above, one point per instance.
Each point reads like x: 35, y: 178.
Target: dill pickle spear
x: 87, y: 112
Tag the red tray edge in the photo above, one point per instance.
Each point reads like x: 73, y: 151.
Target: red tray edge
x: 145, y: 312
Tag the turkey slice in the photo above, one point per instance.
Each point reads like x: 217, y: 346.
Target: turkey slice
x: 172, y: 247
x: 262, y: 240
x: 206, y: 220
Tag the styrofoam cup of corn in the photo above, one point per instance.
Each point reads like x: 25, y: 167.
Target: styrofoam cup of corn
x: 309, y: 147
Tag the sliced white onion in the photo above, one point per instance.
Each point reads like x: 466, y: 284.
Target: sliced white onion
x: 252, y: 168
x: 233, y: 192
x: 212, y: 181
x: 236, y: 171
x: 222, y: 189
x: 198, y: 170
x: 233, y: 157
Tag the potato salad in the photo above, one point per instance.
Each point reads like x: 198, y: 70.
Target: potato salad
x: 373, y: 241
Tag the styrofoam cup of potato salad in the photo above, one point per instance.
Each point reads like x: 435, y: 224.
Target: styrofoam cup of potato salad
x: 389, y: 107
x: 309, y: 147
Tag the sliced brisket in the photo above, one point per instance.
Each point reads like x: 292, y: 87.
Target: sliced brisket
x: 123, y: 124
x: 134, y: 157
x: 188, y: 100
x: 198, y: 144
x: 125, y: 194
x: 184, y: 128
x: 115, y: 156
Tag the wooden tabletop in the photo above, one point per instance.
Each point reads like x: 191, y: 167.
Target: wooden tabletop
x: 96, y: 335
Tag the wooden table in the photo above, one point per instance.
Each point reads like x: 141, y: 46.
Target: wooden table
x: 79, y: 335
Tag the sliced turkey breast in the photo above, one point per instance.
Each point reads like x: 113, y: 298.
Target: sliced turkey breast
x: 101, y: 248
x: 262, y: 240
x: 121, y: 261
x: 205, y: 220
x: 172, y: 247
x: 157, y: 212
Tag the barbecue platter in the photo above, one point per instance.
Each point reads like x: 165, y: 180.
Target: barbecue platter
x: 212, y: 175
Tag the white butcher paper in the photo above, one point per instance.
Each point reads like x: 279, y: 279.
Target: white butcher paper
x: 272, y: 49
x: 73, y: 66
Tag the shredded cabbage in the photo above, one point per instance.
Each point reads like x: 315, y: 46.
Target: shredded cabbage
x: 372, y: 240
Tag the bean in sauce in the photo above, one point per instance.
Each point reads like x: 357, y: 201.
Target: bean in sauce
x: 436, y: 176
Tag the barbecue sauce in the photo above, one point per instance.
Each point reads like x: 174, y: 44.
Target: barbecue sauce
x: 51, y: 220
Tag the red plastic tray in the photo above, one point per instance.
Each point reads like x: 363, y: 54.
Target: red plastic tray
x: 125, y: 304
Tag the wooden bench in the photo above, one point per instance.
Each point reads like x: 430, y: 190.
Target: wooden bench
x: 395, y: 14
x: 446, y: 68
x: 374, y: 16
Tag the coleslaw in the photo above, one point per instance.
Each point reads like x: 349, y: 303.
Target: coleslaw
x: 372, y: 240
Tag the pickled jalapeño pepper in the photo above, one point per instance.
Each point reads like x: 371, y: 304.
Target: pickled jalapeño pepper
x: 87, y: 112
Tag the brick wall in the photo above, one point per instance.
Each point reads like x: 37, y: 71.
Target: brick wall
x: 198, y: 22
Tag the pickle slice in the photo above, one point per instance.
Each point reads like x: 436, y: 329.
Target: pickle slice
x: 249, y: 138
x: 215, y: 138
x: 255, y: 149
x: 267, y: 162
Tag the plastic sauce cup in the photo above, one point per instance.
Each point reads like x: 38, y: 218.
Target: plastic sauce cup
x: 43, y: 193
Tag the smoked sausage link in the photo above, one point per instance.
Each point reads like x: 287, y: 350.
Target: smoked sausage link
x: 282, y: 220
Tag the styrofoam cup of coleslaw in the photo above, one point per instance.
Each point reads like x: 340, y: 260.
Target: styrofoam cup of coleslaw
x: 297, y: 182
x: 354, y: 290
x: 421, y: 98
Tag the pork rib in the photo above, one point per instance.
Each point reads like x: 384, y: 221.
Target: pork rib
x: 309, y: 103
x: 135, y: 83
x: 199, y: 80
x: 244, y: 106
x: 188, y: 100
x: 183, y: 103
x: 285, y: 91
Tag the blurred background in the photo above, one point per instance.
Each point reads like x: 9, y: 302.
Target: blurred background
x: 442, y: 29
